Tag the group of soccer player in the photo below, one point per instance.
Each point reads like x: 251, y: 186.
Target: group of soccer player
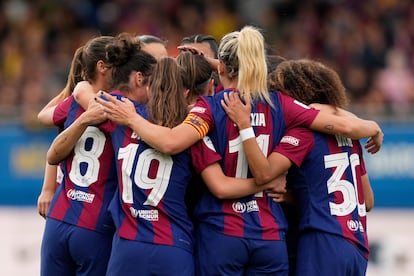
x: 187, y: 165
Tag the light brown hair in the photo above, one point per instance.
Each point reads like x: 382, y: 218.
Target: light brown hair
x: 198, y: 72
x: 83, y: 66
x: 167, y: 106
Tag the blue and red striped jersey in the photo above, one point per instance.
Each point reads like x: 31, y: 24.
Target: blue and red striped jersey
x: 150, y: 205
x: 254, y: 216
x: 326, y: 179
x: 89, y: 175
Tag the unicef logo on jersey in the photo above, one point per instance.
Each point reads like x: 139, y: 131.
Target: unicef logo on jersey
x: 241, y: 207
x: 355, y: 225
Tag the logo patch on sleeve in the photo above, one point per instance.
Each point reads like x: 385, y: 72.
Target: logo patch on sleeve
x: 290, y: 140
x: 198, y: 109
x: 301, y: 104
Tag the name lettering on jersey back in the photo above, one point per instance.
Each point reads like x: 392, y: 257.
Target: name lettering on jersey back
x: 343, y: 141
x: 257, y: 119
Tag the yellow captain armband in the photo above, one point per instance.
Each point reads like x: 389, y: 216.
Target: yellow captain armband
x: 198, y: 123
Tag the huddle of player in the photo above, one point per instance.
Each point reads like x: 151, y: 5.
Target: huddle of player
x: 188, y: 165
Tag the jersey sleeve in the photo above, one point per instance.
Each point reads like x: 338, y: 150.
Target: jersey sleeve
x: 295, y: 144
x: 61, y: 111
x: 297, y: 113
x: 204, y: 154
x: 200, y: 117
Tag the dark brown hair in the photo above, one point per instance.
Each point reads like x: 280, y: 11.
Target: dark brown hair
x: 309, y: 81
x: 200, y: 38
x: 125, y: 56
x: 83, y: 66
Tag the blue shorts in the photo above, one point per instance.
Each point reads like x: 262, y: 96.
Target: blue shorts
x: 140, y: 258
x: 219, y: 254
x: 71, y: 250
x: 321, y: 254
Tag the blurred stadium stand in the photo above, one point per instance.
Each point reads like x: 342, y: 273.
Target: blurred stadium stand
x: 370, y: 43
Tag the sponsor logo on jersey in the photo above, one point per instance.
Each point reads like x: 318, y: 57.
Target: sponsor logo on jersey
x: 149, y: 215
x: 290, y: 140
x: 80, y: 196
x: 198, y: 109
x: 355, y: 225
x: 242, y: 207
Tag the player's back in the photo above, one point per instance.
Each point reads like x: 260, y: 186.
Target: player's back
x: 329, y: 189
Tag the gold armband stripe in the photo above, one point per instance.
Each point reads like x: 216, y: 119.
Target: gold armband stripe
x: 198, y: 123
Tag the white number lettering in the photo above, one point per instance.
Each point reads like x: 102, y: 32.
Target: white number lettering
x: 127, y: 154
x: 236, y: 145
x: 87, y: 151
x: 158, y: 184
x: 340, y: 162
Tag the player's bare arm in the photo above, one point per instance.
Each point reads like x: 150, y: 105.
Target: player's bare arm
x: 167, y: 140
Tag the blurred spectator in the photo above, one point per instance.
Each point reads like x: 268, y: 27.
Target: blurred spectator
x: 396, y: 83
x: 38, y: 38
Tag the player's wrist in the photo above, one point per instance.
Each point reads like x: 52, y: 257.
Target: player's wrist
x: 244, y: 124
x: 247, y: 133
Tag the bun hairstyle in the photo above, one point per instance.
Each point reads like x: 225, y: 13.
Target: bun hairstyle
x: 126, y: 56
x: 122, y: 49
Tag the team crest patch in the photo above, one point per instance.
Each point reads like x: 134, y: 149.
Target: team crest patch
x: 197, y: 121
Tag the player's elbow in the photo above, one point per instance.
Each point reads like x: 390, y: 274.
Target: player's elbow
x: 170, y: 147
x: 52, y: 161
x: 44, y: 118
x: 261, y: 180
x: 218, y: 189
x: 369, y: 204
x: 219, y: 193
x: 52, y: 158
x: 263, y: 177
x: 344, y: 128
